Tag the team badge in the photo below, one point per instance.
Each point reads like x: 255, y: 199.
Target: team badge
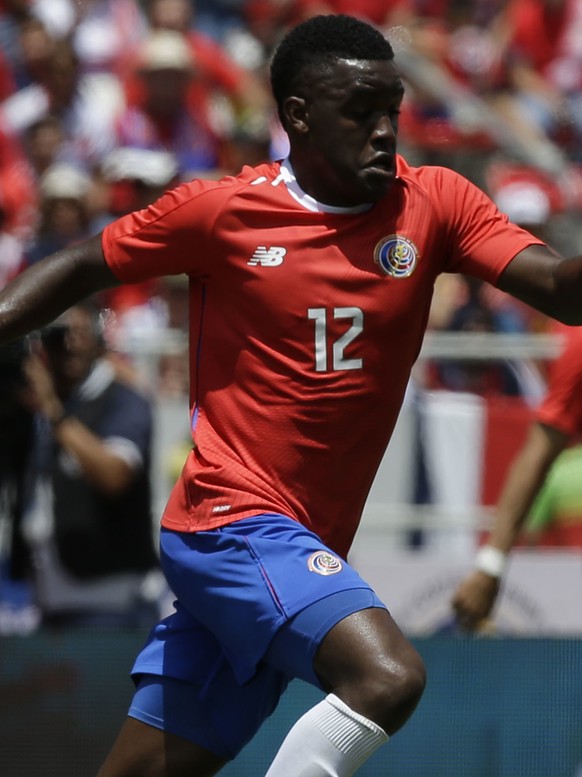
x: 396, y: 255
x: 324, y: 563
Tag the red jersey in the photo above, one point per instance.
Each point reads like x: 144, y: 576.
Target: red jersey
x: 305, y: 323
x: 561, y: 407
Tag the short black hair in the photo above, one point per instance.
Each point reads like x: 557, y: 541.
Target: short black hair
x: 319, y: 41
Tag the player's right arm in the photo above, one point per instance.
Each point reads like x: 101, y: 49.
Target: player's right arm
x: 48, y: 288
x: 476, y: 595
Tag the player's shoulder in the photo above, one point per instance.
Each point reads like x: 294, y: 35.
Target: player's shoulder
x: 429, y: 178
x: 233, y: 183
x: 445, y: 192
x: 223, y: 190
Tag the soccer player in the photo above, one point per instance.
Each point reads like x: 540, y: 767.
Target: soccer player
x: 557, y: 421
x: 310, y: 285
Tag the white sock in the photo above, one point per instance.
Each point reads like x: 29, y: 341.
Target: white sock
x: 330, y: 740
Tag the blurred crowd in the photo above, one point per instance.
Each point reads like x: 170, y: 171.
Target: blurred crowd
x: 104, y: 104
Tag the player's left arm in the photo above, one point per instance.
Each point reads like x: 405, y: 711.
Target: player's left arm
x: 546, y: 281
x: 46, y: 289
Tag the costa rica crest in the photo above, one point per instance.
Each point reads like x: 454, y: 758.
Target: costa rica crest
x: 396, y: 255
x: 324, y: 563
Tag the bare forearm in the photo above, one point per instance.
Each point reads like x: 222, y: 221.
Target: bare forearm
x: 45, y: 290
x: 475, y: 596
x: 549, y: 283
x: 568, y: 281
x: 514, y: 505
x: 524, y: 481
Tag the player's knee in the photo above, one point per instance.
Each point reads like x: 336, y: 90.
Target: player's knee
x: 392, y: 689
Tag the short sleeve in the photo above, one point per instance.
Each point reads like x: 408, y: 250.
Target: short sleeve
x: 170, y: 237
x: 480, y: 239
x: 128, y: 416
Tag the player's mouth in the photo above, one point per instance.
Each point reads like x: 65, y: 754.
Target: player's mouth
x: 381, y: 165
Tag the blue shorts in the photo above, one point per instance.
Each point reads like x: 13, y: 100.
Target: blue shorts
x: 254, y: 600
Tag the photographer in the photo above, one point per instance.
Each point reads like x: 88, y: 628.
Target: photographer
x: 90, y: 526
x: 16, y: 423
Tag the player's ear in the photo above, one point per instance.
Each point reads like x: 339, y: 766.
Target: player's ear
x: 296, y: 114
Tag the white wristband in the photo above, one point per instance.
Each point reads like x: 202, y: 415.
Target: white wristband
x: 491, y: 561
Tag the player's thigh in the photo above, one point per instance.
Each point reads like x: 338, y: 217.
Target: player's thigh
x: 141, y: 750
x: 360, y: 644
x: 297, y: 644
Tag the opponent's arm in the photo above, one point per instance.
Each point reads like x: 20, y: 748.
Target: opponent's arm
x: 476, y: 595
x: 46, y: 289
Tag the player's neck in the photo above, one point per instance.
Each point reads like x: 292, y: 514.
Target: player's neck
x: 307, y: 200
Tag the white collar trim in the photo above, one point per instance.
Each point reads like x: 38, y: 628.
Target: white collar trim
x: 306, y: 200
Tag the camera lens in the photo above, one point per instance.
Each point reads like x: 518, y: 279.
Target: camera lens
x: 54, y: 336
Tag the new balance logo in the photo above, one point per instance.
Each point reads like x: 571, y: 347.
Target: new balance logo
x: 267, y: 257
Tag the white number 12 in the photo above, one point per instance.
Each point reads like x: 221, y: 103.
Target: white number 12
x: 339, y: 362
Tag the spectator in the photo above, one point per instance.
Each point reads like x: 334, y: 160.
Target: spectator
x: 12, y: 259
x: 16, y: 423
x: 233, y: 81
x: 7, y: 85
x: 101, y: 31
x: 18, y: 191
x: 90, y: 524
x: 466, y: 99
x: 533, y: 200
x: 56, y: 15
x: 139, y: 312
x: 64, y: 211
x: 37, y: 47
x: 13, y: 13
x: 86, y: 106
x: 216, y: 18
x: 557, y: 422
x: 378, y: 12
x: 42, y: 142
x: 455, y: 45
x: 546, y: 68
x: 162, y: 118
x: 104, y: 31
x: 469, y: 305
x: 137, y: 177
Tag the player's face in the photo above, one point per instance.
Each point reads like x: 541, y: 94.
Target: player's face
x: 348, y: 121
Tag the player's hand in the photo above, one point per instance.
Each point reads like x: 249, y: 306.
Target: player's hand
x: 474, y: 599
